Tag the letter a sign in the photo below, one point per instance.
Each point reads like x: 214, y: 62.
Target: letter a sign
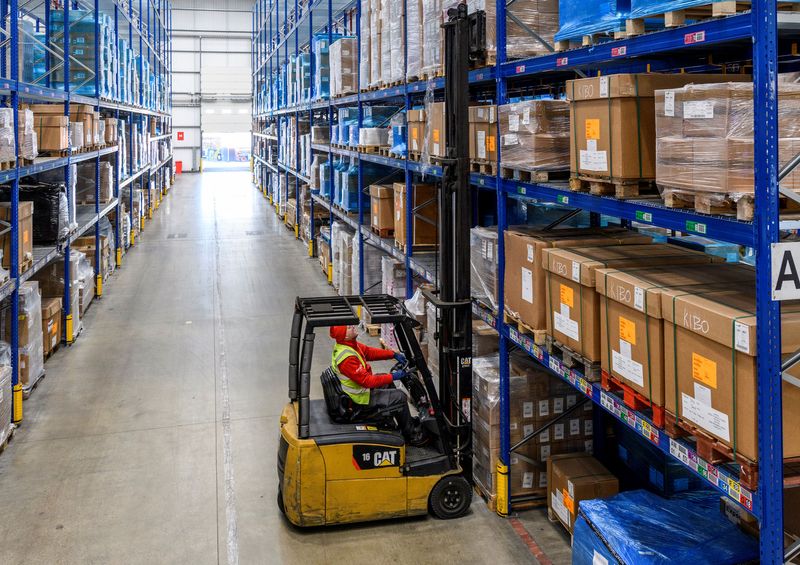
x: 786, y: 271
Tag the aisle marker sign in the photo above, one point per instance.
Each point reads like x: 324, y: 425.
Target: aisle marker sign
x: 786, y: 271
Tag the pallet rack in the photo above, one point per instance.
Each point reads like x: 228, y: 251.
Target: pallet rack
x: 147, y: 26
x: 761, y: 35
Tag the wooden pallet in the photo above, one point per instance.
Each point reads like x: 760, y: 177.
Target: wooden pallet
x: 418, y: 248
x: 529, y: 175
x: 384, y: 232
x: 372, y: 149
x: 633, y: 399
x: 438, y: 73
x: 27, y: 390
x: 621, y: 189
x: 483, y: 167
x: 488, y: 498
x: 52, y: 352
x: 538, y: 336
x: 374, y: 330
x: 8, y: 165
x: 414, y: 156
x: 573, y: 360
x: 25, y: 264
x: 384, y: 151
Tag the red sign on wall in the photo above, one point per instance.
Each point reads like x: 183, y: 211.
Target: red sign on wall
x: 180, y: 136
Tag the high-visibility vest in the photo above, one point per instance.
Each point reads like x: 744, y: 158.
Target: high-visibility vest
x: 358, y: 393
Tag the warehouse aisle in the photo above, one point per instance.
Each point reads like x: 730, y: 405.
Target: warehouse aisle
x: 153, y: 439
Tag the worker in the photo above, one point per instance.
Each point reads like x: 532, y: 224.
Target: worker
x: 350, y: 363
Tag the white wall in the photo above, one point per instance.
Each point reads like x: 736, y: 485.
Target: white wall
x: 211, y: 68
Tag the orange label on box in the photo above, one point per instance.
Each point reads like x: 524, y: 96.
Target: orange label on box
x: 567, y: 296
x: 704, y: 370
x: 592, y: 129
x: 414, y: 133
x: 627, y: 330
x: 569, y: 502
x: 490, y: 143
x: 25, y: 236
x: 436, y: 136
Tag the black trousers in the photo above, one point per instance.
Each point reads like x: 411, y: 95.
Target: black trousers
x: 392, y: 401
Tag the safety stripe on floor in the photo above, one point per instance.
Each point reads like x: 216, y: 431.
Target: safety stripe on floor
x: 528, y: 540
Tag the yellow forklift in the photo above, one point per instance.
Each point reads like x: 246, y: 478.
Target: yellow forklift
x: 337, y: 464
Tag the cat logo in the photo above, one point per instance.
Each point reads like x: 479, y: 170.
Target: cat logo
x: 374, y: 456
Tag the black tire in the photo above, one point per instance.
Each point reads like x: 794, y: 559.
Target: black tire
x: 450, y: 497
x: 281, y: 507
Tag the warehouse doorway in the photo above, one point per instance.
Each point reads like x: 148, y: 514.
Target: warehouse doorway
x: 226, y: 151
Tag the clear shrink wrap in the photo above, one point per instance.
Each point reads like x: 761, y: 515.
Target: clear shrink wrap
x: 483, y: 265
x: 432, y: 37
x: 704, y: 140
x: 539, y: 16
x: 344, y: 66
x: 5, y: 387
x: 534, y: 135
x: 31, y: 339
x: 342, y: 257
x: 578, y: 18
x: 386, y: 42
x: 414, y: 39
x: 28, y: 140
x: 7, y: 152
x: 86, y: 185
x: 365, y: 47
x: 372, y: 267
x: 398, y: 41
x: 375, y: 42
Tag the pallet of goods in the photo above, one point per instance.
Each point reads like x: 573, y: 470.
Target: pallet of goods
x: 534, y: 138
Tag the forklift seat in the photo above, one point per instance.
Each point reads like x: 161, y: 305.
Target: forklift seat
x: 342, y: 409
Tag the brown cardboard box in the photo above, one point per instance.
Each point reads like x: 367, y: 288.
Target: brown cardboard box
x: 534, y: 134
x: 525, y: 275
x: 613, y: 122
x: 485, y: 340
x: 631, y: 318
x: 712, y: 383
x: 111, y: 130
x: 51, y: 324
x: 52, y: 131
x: 483, y: 133
x: 574, y: 477
x: 416, y: 130
x: 382, y: 206
x: 437, y: 142
x: 422, y: 232
x: 573, y: 305
x: 25, y: 224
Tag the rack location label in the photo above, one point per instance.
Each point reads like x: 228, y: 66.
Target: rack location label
x: 786, y: 271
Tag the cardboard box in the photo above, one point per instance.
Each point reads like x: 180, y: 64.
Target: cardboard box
x: 573, y: 304
x: 437, y: 139
x: 613, y: 122
x: 574, y: 477
x: 483, y: 265
x: 711, y: 384
x: 52, y: 131
x: 423, y: 231
x: 51, y: 324
x: 382, y: 207
x: 525, y: 275
x: 416, y: 130
x: 631, y: 308
x: 324, y: 255
x: 25, y: 226
x: 485, y: 340
x: 483, y: 133
x: 534, y: 134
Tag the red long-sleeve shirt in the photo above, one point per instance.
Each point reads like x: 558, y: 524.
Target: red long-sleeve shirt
x: 351, y: 367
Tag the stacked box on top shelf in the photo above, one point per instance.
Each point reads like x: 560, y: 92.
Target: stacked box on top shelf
x: 539, y: 16
x: 365, y: 45
x: 704, y: 145
x: 534, y: 135
x: 414, y: 11
x: 432, y: 38
x: 536, y: 399
x: 344, y: 66
x: 581, y: 20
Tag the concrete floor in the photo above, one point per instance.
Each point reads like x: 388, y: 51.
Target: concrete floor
x: 153, y: 439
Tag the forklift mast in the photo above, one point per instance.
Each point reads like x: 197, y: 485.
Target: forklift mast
x: 463, y: 41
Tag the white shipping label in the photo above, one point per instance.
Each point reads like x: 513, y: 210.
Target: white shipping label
x: 526, y: 116
x: 544, y: 437
x: 571, y: 489
x: 527, y: 430
x: 513, y: 122
x: 544, y: 408
x: 594, y: 161
x: 436, y: 149
x: 575, y: 427
x: 527, y: 480
x: 544, y: 452
x: 558, y: 405
x: 638, y: 298
x: 588, y: 428
x: 702, y: 393
x: 571, y: 400
x: 741, y: 337
x: 557, y: 503
x: 627, y: 367
x: 669, y: 103
x: 481, y: 142
x: 576, y: 271
x: 558, y: 432
x: 598, y: 559
x: 489, y: 250
x: 566, y: 326
x: 591, y: 145
x: 527, y: 409
x: 530, y: 253
x: 625, y: 349
x: 414, y: 145
x: 527, y: 285
x: 542, y: 480
x: 510, y: 139
x: 513, y: 426
x: 588, y: 446
x: 604, y: 87
x: 375, y: 220
x: 706, y: 417
x: 397, y: 215
x: 698, y: 109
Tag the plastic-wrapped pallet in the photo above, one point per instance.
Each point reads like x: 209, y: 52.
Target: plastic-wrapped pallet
x: 341, y: 257
x: 704, y: 140
x: 398, y: 40
x: 28, y: 140
x: 643, y: 528
x: 372, y: 267
x: 578, y: 18
x: 483, y: 265
x: 344, y: 66
x: 414, y: 39
x: 365, y: 47
x: 375, y: 43
x: 534, y: 135
x: 386, y: 42
x: 86, y: 282
x: 31, y: 339
x: 67, y: 206
x: 86, y: 182
x: 393, y: 282
x: 432, y: 37
x: 7, y: 150
x: 76, y: 135
x: 540, y: 16
x: 5, y: 391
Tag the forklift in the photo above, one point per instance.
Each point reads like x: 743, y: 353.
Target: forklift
x: 338, y: 464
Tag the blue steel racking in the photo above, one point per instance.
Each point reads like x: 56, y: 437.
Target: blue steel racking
x: 761, y: 35
x: 147, y: 25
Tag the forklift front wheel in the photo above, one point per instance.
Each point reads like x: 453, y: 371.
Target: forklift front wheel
x: 450, y: 498
x: 281, y: 507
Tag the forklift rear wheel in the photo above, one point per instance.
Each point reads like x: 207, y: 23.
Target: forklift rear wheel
x: 280, y: 502
x: 450, y: 498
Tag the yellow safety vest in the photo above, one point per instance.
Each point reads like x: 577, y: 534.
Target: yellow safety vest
x: 358, y: 393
